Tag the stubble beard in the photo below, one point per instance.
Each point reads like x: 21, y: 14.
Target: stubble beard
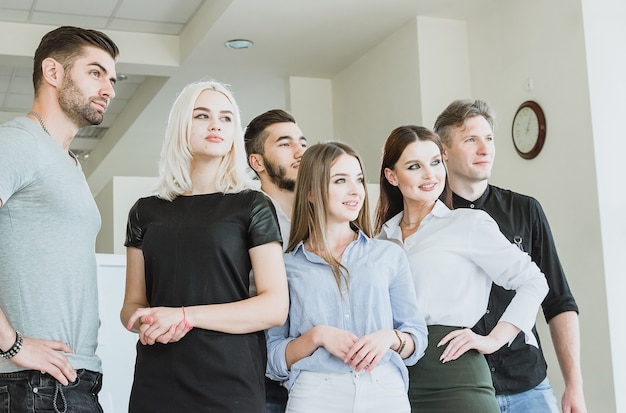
x: 278, y: 176
x: 71, y: 100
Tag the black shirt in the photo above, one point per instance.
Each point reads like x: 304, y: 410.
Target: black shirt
x: 521, y: 367
x: 196, y: 252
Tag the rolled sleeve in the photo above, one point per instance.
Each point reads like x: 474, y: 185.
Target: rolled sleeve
x: 543, y: 251
x: 406, y: 313
x: 277, y: 341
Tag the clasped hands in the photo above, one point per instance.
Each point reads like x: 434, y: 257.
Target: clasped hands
x: 360, y: 353
x: 159, y: 324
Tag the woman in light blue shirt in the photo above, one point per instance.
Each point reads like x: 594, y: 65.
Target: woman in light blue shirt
x: 455, y: 255
x: 354, y: 323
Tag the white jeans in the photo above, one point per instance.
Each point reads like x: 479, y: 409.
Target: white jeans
x: 382, y: 390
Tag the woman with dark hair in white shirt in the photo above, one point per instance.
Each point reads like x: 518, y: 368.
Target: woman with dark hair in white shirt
x: 455, y: 255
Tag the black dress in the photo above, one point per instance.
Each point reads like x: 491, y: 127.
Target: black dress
x: 196, y: 252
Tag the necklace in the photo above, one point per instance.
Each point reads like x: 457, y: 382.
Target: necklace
x: 408, y: 226
x: 43, y: 125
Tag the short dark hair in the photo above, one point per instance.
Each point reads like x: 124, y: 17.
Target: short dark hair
x: 65, y: 44
x: 457, y: 112
x: 255, y: 135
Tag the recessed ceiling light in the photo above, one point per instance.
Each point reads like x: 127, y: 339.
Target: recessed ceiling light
x: 238, y: 44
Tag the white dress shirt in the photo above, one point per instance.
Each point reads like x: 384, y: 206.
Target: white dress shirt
x: 455, y: 255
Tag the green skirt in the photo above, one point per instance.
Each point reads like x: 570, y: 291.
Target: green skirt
x: 461, y: 385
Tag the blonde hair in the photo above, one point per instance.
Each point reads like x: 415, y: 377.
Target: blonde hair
x: 311, y: 202
x: 176, y: 155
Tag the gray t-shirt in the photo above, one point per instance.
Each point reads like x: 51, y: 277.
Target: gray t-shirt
x: 48, y: 226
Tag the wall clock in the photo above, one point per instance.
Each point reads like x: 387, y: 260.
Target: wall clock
x: 529, y: 129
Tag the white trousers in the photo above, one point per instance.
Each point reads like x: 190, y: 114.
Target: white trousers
x: 382, y: 390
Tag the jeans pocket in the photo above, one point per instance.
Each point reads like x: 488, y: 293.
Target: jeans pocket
x: 391, y: 380
x: 310, y: 381
x: 94, y: 383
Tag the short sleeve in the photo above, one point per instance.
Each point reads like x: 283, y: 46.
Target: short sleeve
x: 134, y: 230
x: 17, y: 160
x: 263, y: 227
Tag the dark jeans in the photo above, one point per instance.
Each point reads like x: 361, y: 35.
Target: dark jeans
x: 31, y: 391
x: 276, y: 397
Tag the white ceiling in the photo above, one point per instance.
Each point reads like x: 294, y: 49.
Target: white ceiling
x: 166, y: 44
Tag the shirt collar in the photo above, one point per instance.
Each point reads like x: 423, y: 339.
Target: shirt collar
x: 440, y: 209
x: 361, y: 239
x: 392, y: 230
x: 460, y: 202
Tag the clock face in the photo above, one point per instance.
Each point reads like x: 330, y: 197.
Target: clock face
x: 529, y: 129
x: 525, y: 130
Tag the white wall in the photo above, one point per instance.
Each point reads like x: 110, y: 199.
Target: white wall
x: 376, y: 93
x: 605, y: 32
x: 116, y: 346
x: 444, y: 70
x: 311, y: 104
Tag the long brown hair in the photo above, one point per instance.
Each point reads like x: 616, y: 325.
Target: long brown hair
x: 311, y: 202
x: 391, y: 201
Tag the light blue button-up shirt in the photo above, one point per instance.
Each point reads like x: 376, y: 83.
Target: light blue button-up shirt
x: 380, y: 295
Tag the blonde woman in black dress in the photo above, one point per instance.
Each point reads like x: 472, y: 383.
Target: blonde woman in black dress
x: 190, y: 250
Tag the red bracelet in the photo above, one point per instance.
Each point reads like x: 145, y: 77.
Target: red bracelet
x: 187, y: 325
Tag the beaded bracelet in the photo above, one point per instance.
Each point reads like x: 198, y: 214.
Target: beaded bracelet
x: 15, y: 348
x: 402, y: 342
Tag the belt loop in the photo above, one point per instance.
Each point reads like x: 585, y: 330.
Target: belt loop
x: 36, y: 378
x: 59, y: 390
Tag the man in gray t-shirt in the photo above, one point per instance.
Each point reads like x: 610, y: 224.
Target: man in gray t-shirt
x: 48, y: 226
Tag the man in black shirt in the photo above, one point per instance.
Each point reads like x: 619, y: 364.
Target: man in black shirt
x: 518, y: 371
